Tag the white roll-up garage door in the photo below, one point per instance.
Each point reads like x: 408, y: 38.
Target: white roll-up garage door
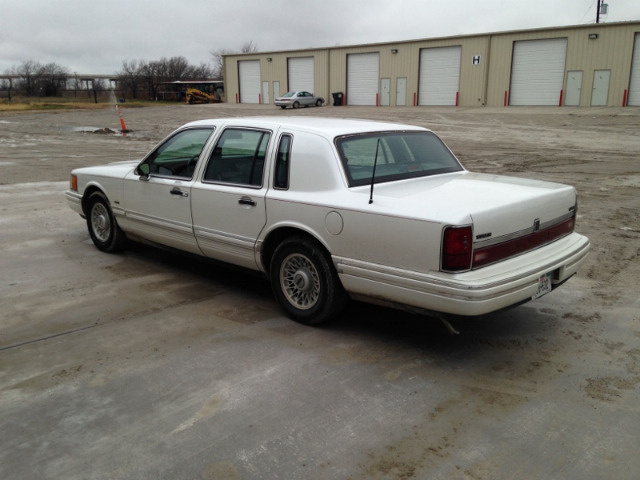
x: 301, y: 74
x: 363, y: 78
x: 537, y: 71
x: 249, y: 73
x: 439, y: 75
x: 634, y: 84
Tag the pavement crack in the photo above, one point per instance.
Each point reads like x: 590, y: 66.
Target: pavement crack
x: 48, y: 337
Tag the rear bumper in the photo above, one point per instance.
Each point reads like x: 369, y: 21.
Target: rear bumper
x: 478, y: 292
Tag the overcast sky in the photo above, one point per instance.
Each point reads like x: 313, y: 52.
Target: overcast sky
x: 96, y: 36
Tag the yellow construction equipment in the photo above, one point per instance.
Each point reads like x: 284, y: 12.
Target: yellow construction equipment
x: 198, y: 96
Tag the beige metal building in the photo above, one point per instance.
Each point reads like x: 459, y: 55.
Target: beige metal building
x: 585, y: 65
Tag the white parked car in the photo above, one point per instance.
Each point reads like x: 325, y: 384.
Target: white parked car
x: 330, y: 209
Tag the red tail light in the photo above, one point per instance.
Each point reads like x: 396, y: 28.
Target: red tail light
x: 457, y: 243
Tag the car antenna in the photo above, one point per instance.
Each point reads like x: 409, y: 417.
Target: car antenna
x: 373, y: 175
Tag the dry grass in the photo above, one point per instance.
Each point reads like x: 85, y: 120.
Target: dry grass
x: 25, y: 104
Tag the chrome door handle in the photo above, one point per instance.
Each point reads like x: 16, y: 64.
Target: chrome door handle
x: 177, y: 191
x: 247, y: 201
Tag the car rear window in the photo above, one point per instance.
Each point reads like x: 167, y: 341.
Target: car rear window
x: 394, y: 156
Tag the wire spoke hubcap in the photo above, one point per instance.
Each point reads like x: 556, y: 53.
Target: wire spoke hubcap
x: 300, y: 281
x: 100, y: 222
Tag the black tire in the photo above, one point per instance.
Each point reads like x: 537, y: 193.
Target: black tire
x: 318, y: 103
x: 296, y: 104
x: 304, y: 282
x: 103, y: 227
x: 283, y: 106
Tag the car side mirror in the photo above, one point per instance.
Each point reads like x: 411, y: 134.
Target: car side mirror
x: 143, y: 170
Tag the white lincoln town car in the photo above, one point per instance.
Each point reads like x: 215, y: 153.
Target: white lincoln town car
x: 334, y: 209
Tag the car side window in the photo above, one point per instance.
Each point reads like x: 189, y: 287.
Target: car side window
x: 283, y: 159
x: 177, y: 157
x: 238, y: 157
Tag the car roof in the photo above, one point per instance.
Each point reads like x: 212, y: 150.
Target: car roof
x: 324, y: 126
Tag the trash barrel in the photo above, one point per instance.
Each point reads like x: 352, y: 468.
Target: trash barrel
x: 337, y: 99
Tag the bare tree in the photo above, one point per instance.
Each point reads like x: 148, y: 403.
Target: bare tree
x: 28, y: 75
x: 129, y: 77
x: 218, y: 57
x: 249, y: 47
x: 150, y: 74
x: 201, y: 72
x: 177, y: 68
x: 218, y: 62
x: 52, y: 79
x: 42, y: 80
x: 138, y: 77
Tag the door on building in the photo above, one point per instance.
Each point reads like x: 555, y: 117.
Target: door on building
x: 537, y: 71
x: 634, y: 83
x: 439, y: 75
x: 301, y: 74
x: 600, y: 93
x: 363, y: 78
x: 249, y: 79
x: 276, y: 89
x: 574, y: 87
x: 265, y: 93
x: 385, y: 92
x: 401, y: 91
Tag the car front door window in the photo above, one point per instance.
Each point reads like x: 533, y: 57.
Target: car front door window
x: 177, y: 157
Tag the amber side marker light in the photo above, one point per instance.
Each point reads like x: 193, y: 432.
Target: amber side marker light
x: 73, y: 184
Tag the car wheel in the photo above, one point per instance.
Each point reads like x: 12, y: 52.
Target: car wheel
x: 296, y: 104
x: 283, y: 106
x: 318, y: 103
x: 103, y: 228
x: 305, y: 283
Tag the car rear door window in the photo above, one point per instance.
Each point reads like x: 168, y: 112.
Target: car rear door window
x: 238, y: 157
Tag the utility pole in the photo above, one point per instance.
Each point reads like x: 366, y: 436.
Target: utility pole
x: 598, y: 11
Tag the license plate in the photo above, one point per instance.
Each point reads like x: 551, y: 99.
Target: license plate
x: 544, y: 285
